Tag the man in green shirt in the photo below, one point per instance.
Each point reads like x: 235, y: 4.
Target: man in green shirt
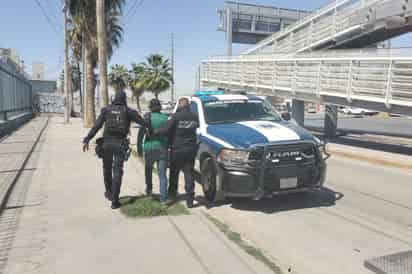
x: 155, y: 149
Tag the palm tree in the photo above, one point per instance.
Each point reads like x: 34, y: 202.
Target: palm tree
x: 118, y: 77
x: 75, y: 40
x: 158, y: 74
x: 102, y: 51
x: 137, y: 82
x: 83, y: 15
x: 74, y: 82
x: 104, y: 9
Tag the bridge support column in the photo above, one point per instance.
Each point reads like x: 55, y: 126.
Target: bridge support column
x: 229, y: 29
x: 331, y: 121
x: 298, y: 111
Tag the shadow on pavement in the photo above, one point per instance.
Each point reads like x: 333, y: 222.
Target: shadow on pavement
x: 324, y: 197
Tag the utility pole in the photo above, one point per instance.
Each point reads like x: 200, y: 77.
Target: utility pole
x: 172, y: 87
x: 67, y: 108
x: 199, y: 77
x: 22, y: 67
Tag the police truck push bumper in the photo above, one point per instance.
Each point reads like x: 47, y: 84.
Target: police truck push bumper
x: 277, y: 169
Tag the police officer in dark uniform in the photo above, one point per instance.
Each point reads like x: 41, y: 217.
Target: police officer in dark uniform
x: 182, y: 130
x: 116, y: 119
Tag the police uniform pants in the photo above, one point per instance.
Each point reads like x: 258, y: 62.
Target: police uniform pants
x: 182, y: 160
x: 113, y: 160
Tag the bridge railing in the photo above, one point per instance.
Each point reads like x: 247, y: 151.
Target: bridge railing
x: 385, y: 80
x: 324, y: 24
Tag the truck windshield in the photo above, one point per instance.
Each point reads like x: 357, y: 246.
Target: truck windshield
x: 219, y: 112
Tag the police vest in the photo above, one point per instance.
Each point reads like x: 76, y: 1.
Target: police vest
x: 117, y: 123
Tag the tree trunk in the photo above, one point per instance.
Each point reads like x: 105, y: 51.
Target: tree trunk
x: 72, y: 110
x: 89, y: 90
x: 80, y: 88
x: 138, y: 104
x: 156, y: 95
x: 102, y: 51
x: 84, y: 76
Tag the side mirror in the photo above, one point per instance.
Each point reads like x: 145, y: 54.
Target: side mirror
x: 286, y: 116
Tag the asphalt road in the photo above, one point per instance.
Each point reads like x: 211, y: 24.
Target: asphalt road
x: 392, y: 125
x: 365, y: 211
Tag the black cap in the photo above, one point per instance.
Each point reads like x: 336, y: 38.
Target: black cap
x: 155, y: 105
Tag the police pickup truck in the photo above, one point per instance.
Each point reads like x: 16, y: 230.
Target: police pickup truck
x: 246, y: 149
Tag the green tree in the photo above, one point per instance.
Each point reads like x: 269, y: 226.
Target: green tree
x: 137, y: 82
x: 158, y: 74
x: 118, y: 77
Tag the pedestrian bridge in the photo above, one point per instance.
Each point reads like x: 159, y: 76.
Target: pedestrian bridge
x: 341, y: 24
x: 374, y: 79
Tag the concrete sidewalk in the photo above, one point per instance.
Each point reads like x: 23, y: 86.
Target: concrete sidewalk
x: 66, y: 226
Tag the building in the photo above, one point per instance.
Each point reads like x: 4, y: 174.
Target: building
x: 38, y: 71
x: 43, y: 86
x: 12, y: 59
x: 10, y: 54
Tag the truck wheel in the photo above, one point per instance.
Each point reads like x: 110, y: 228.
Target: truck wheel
x: 208, y: 179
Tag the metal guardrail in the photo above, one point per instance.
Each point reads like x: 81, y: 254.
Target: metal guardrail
x: 385, y: 80
x: 338, y: 19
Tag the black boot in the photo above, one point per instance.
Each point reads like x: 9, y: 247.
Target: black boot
x: 108, y: 196
x: 189, y: 202
x: 115, y: 205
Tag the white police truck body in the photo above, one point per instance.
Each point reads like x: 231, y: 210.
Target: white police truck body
x: 247, y: 150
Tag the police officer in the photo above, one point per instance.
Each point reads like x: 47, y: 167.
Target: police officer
x: 182, y: 130
x: 116, y: 119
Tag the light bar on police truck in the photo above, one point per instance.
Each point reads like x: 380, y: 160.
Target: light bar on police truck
x: 208, y: 93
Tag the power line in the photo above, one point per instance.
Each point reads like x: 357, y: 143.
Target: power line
x: 54, y: 9
x: 49, y: 21
x: 172, y: 57
x: 132, y: 11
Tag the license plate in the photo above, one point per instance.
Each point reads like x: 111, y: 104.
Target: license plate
x: 286, y: 183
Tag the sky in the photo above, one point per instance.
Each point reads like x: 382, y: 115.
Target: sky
x: 24, y: 27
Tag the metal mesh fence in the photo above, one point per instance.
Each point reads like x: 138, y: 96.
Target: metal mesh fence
x: 15, y: 92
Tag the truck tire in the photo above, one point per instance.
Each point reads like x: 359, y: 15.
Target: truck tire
x: 208, y: 179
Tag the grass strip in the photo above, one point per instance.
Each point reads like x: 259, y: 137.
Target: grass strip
x: 149, y: 206
x: 248, y: 248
